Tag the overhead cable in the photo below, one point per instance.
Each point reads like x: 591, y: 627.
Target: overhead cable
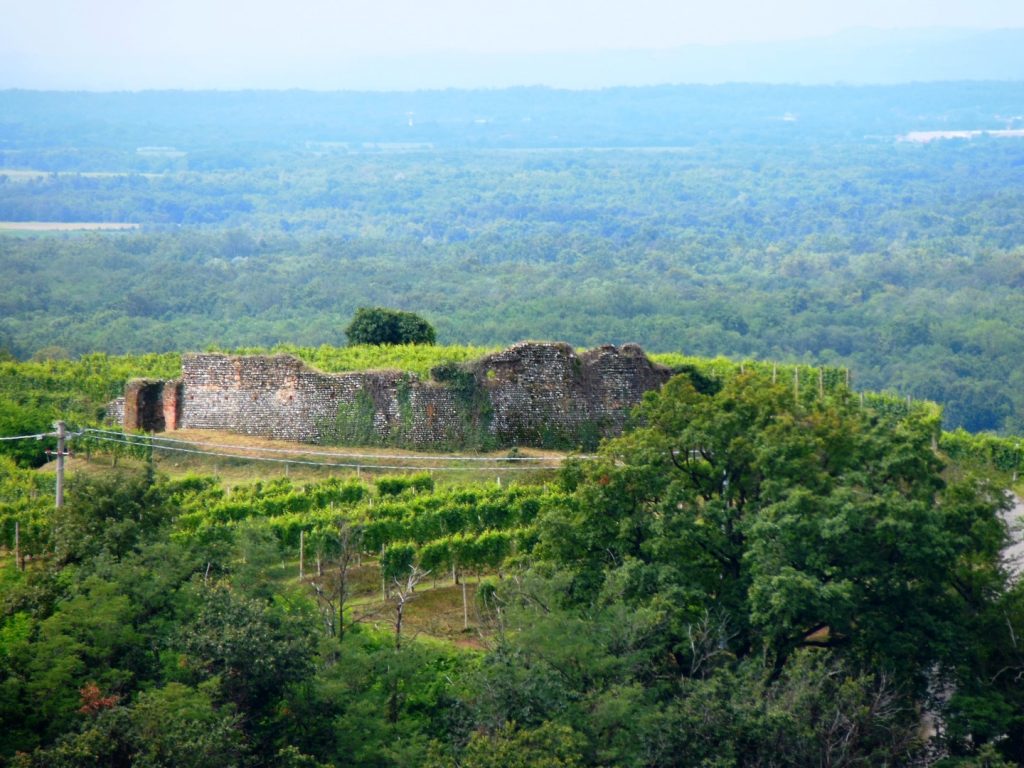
x: 334, y: 454
x: 138, y: 443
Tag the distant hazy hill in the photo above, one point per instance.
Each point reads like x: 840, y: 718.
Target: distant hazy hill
x: 859, y: 56
x: 855, y: 56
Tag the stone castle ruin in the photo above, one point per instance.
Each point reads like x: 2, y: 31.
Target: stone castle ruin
x: 531, y: 394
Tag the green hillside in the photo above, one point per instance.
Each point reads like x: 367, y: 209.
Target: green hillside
x: 743, y: 572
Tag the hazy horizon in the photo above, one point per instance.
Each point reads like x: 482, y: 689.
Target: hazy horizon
x: 401, y: 45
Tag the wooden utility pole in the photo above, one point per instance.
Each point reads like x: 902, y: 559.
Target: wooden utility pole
x: 18, y: 562
x: 61, y: 437
x: 302, y: 552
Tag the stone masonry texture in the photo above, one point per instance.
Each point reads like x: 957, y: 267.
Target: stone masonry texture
x: 531, y: 394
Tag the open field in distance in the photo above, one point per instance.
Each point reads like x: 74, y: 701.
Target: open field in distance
x: 63, y: 226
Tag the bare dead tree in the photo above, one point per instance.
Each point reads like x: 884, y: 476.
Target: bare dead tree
x: 328, y: 607
x: 708, y: 639
x: 1016, y: 670
x: 842, y: 730
x: 402, y: 595
x: 332, y: 594
x: 349, y: 541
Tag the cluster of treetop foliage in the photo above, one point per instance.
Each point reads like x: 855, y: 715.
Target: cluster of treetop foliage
x: 380, y: 325
x: 741, y: 580
x: 753, y: 221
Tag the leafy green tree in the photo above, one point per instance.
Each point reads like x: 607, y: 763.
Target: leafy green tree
x: 347, y: 714
x: 111, y: 515
x: 547, y: 746
x: 89, y: 640
x: 801, y: 525
x: 988, y: 757
x: 987, y: 706
x: 377, y: 325
x: 597, y: 672
x: 170, y: 726
x: 179, y: 726
x: 102, y: 740
x: 253, y: 649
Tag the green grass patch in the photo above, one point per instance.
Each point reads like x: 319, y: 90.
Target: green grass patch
x: 411, y: 358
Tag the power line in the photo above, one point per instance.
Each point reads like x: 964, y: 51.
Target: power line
x: 41, y: 435
x: 140, y: 444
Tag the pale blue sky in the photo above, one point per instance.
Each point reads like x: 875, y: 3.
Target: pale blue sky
x: 299, y: 43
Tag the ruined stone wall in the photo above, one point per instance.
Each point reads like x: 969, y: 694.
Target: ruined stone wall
x: 615, y: 379
x: 546, y: 394
x: 529, y: 394
x: 269, y: 396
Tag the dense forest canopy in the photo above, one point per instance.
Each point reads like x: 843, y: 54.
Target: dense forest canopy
x: 752, y: 221
x: 227, y: 130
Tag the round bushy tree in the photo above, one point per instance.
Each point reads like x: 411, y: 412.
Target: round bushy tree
x: 378, y: 325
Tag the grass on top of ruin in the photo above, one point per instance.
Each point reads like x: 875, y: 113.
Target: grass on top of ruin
x: 412, y: 358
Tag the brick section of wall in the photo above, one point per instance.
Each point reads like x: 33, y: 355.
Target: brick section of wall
x: 541, y: 394
x: 144, y: 405
x: 172, y: 402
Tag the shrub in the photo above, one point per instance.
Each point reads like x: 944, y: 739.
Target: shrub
x: 377, y: 325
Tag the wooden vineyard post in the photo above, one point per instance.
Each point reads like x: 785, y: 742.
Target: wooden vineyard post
x: 61, y: 435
